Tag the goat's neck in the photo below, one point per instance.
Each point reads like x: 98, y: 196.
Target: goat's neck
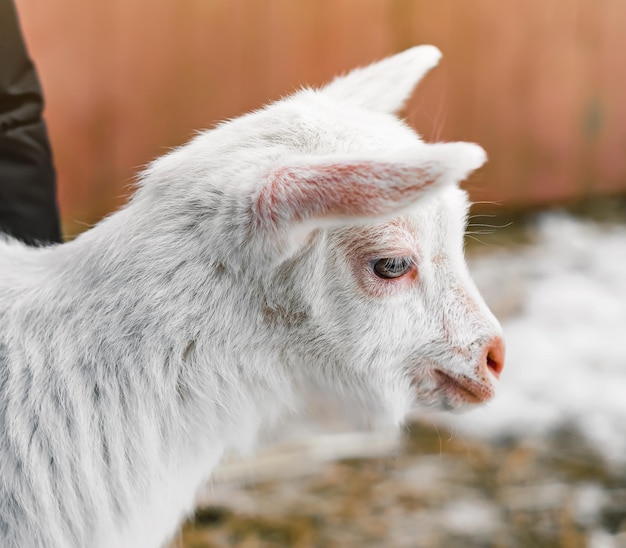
x: 168, y: 387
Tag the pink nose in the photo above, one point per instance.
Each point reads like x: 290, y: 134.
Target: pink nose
x: 492, y: 358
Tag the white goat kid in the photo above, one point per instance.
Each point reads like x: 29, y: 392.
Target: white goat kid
x: 314, y: 245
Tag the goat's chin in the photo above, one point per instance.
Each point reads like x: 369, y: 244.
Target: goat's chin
x: 454, y: 406
x: 443, y: 390
x: 452, y: 401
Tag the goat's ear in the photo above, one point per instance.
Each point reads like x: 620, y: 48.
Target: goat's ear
x: 386, y: 85
x: 303, y: 194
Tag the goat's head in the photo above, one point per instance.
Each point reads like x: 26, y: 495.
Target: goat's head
x: 351, y: 229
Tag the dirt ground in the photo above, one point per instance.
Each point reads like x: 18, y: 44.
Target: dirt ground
x: 436, y: 490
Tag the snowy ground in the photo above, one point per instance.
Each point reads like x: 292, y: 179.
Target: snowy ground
x: 562, y: 300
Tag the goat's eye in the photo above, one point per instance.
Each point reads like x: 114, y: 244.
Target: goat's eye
x: 393, y: 267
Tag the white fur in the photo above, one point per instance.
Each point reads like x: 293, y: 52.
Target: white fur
x: 236, y: 282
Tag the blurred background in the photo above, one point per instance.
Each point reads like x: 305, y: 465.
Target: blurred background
x: 540, y: 84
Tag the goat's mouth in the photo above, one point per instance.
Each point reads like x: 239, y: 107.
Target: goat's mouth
x: 461, y: 389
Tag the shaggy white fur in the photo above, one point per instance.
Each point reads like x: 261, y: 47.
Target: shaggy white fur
x: 312, y: 246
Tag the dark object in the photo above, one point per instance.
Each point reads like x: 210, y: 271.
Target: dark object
x: 28, y: 208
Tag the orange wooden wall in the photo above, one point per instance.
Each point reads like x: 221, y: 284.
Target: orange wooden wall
x: 541, y: 84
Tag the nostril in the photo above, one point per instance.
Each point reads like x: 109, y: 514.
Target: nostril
x: 493, y: 364
x: 495, y: 357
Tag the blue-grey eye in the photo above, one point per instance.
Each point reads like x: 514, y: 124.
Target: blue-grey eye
x: 393, y: 267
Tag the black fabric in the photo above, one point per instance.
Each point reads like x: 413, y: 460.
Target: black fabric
x: 28, y: 208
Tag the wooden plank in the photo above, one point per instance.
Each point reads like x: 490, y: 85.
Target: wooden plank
x: 540, y: 83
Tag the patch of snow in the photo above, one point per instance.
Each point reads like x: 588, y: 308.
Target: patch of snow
x: 603, y: 539
x: 474, y: 517
x: 588, y: 503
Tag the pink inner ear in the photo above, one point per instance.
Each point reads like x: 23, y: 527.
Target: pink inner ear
x: 361, y: 189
